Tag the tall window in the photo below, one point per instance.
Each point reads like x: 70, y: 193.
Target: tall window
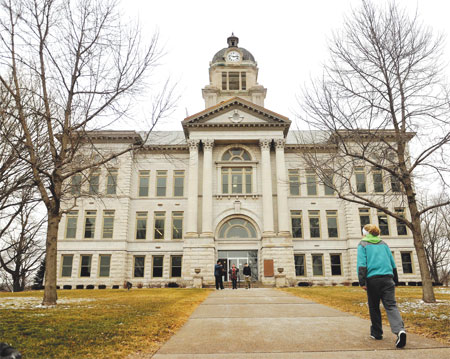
x: 336, y: 268
x: 144, y: 181
x: 161, y: 183
x: 139, y: 266
x: 104, y: 265
x: 328, y: 183
x: 175, y: 266
x: 75, y: 187
x: 66, y: 266
x: 317, y: 262
x: 296, y: 220
x: 299, y: 260
x: 85, y: 268
x: 94, y: 181
x: 314, y: 224
x: 360, y: 176
x: 71, y: 224
x: 236, y: 180
x: 178, y: 183
x: 89, y: 224
x: 177, y: 225
x: 332, y: 224
x: 160, y: 220
x: 395, y: 184
x: 407, y: 262
x: 401, y: 226
x: 383, y: 223
x: 108, y: 224
x: 158, y: 264
x: 364, y: 216
x: 294, y: 183
x: 237, y: 228
x: 111, y: 181
x: 311, y: 183
x: 234, y: 80
x: 141, y: 225
x: 377, y: 177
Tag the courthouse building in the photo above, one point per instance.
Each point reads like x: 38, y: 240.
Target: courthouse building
x: 230, y: 185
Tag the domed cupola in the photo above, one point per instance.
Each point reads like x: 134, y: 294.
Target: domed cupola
x: 233, y: 72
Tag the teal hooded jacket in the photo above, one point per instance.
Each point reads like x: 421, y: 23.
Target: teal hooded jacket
x: 374, y: 259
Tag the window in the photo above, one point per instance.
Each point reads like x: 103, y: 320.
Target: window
x: 157, y: 270
x: 141, y: 225
x: 332, y: 224
x: 395, y: 184
x: 89, y: 224
x: 108, y: 224
x: 66, y: 267
x: 296, y: 220
x: 383, y: 223
x: 75, y: 186
x: 178, y: 183
x: 364, y: 217
x: 360, y: 176
x: 224, y: 81
x: 401, y: 226
x: 328, y: 184
x: 335, y: 260
x: 111, y: 181
x: 237, y: 228
x: 236, y: 154
x: 299, y: 260
x: 234, y: 80
x: 175, y: 266
x: 161, y: 183
x: 407, y: 262
x: 377, y: 180
x: 294, y: 183
x: 139, y: 266
x: 104, y: 265
x: 160, y: 219
x: 243, y: 81
x: 314, y: 224
x: 177, y: 225
x: 71, y: 224
x: 144, y: 181
x: 317, y: 262
x: 236, y: 180
x: 311, y: 183
x: 85, y: 268
x: 94, y: 181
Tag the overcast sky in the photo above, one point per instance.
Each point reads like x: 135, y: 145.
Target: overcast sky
x: 287, y: 38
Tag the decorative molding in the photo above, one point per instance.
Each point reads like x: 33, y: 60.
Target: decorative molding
x: 193, y: 144
x: 280, y: 143
x: 265, y: 143
x: 236, y: 117
x: 208, y: 144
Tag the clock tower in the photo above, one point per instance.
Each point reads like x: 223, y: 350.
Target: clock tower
x: 233, y: 72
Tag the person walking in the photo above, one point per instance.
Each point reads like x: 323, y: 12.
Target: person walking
x: 218, y: 273
x: 377, y: 274
x: 247, y: 275
x: 234, y: 273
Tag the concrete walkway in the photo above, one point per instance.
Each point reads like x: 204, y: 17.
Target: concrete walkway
x: 267, y: 323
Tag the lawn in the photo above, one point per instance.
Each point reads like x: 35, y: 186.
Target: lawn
x: 429, y: 320
x: 95, y: 323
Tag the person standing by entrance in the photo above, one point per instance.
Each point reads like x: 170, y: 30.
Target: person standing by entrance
x: 234, y: 273
x: 247, y: 275
x: 218, y: 273
x: 377, y: 274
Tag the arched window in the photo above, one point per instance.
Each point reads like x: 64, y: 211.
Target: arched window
x: 237, y: 228
x: 236, y: 154
x: 236, y: 180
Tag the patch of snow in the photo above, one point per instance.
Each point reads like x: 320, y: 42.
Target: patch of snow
x: 35, y: 302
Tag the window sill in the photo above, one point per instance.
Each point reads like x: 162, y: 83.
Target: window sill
x: 237, y: 196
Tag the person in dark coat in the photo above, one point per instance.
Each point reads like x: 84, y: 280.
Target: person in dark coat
x: 247, y: 275
x: 218, y: 273
x: 234, y: 275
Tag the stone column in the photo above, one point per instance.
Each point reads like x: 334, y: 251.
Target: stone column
x: 266, y: 173
x: 191, y: 225
x: 207, y: 187
x: 282, y: 185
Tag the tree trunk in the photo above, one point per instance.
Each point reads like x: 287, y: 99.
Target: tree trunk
x: 16, y: 283
x: 50, y: 295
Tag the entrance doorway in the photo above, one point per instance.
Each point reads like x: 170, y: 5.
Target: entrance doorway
x: 239, y: 258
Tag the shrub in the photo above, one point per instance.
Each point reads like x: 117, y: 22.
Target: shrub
x: 115, y: 286
x: 173, y: 285
x: 80, y: 286
x: 101, y: 286
x: 67, y: 286
x: 90, y: 286
x: 139, y: 285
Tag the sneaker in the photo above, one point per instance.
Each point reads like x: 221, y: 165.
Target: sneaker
x: 376, y: 338
x: 401, y: 339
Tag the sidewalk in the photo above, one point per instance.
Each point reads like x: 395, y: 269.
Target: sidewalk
x: 267, y: 323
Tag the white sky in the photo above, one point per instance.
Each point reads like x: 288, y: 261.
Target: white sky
x: 287, y: 38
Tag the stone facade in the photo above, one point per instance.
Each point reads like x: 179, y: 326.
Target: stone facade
x: 219, y: 189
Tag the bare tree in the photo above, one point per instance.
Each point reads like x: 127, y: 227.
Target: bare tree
x: 75, y: 68
x: 383, y: 90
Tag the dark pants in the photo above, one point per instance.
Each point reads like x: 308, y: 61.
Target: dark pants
x: 383, y: 288
x: 219, y: 281
x: 234, y: 283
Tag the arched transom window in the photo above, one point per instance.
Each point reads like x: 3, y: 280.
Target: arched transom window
x: 237, y: 179
x: 236, y: 154
x: 237, y: 228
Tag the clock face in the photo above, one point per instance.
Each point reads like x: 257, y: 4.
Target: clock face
x: 233, y: 56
